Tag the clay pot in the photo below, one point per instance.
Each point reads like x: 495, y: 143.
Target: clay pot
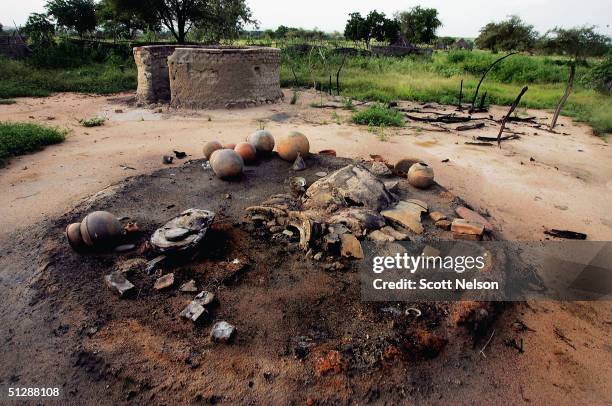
x: 247, y: 152
x: 210, y: 147
x: 421, y: 175
x: 289, y: 146
x: 100, y: 229
x: 229, y: 145
x: 226, y: 163
x: 402, y: 166
x: 263, y: 141
x: 73, y: 233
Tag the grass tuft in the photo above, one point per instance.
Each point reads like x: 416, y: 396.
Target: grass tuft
x: 7, y: 101
x: 379, y: 116
x: 93, y: 122
x: 22, y: 138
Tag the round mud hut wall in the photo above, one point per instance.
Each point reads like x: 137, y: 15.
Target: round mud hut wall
x: 224, y: 77
x: 152, y: 66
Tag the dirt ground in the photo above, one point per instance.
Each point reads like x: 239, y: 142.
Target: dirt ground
x: 65, y: 328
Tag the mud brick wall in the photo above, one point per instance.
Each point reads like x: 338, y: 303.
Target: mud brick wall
x: 153, y: 80
x: 224, y: 77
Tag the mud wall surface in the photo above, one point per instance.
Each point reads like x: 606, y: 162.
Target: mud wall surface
x: 152, y: 65
x: 224, y: 77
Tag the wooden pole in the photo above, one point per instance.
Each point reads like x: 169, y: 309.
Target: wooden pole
x: 485, y: 74
x: 503, y: 124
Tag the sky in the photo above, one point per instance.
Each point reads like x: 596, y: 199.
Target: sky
x: 460, y: 18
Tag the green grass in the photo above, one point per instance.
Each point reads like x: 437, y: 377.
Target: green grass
x: 20, y: 79
x: 437, y: 80
x: 7, y: 101
x: 379, y: 116
x: 93, y: 122
x: 382, y: 79
x: 22, y: 138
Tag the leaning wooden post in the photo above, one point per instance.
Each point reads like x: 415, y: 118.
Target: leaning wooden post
x: 503, y: 124
x: 485, y: 74
x: 461, y: 93
x: 568, y: 90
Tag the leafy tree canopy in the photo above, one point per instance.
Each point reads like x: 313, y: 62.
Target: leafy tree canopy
x: 419, y: 25
x: 578, y: 43
x: 39, y: 30
x: 375, y: 26
x: 214, y: 18
x: 77, y: 15
x: 512, y: 34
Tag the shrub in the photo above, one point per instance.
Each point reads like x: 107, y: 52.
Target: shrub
x: 379, y: 115
x: 93, y: 122
x: 21, y: 138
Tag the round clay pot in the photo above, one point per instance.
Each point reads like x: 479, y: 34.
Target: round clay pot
x: 402, y: 166
x: 229, y: 145
x: 100, y: 229
x: 210, y: 147
x: 73, y: 233
x: 421, y: 175
x: 289, y: 146
x: 262, y: 140
x: 247, y: 152
x: 226, y: 163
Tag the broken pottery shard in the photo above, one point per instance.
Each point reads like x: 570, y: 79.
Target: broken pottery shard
x: 399, y: 236
x: 193, y: 311
x: 437, y: 216
x: 352, y: 185
x: 443, y: 224
x: 117, y: 282
x: 380, y: 169
x: 183, y: 232
x: 299, y: 164
x: 378, y: 235
x: 197, y: 307
x: 177, y: 234
x: 205, y: 298
x: 407, y: 214
x: 350, y: 246
x: 419, y: 203
x: 309, y: 229
x: 463, y: 229
x: 473, y: 217
x: 164, y: 282
x: 189, y: 286
x: 154, y: 264
x: 358, y: 219
x: 222, y: 332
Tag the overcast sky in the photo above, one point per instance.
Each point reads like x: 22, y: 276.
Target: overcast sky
x: 460, y: 17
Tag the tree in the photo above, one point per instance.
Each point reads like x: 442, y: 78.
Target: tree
x: 374, y: 26
x: 77, y: 15
x: 215, y: 18
x: 39, y: 30
x: 578, y: 44
x: 512, y: 34
x: 355, y: 29
x: 419, y: 25
x: 120, y: 23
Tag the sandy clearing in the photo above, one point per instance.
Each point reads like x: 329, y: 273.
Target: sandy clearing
x: 566, y: 185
